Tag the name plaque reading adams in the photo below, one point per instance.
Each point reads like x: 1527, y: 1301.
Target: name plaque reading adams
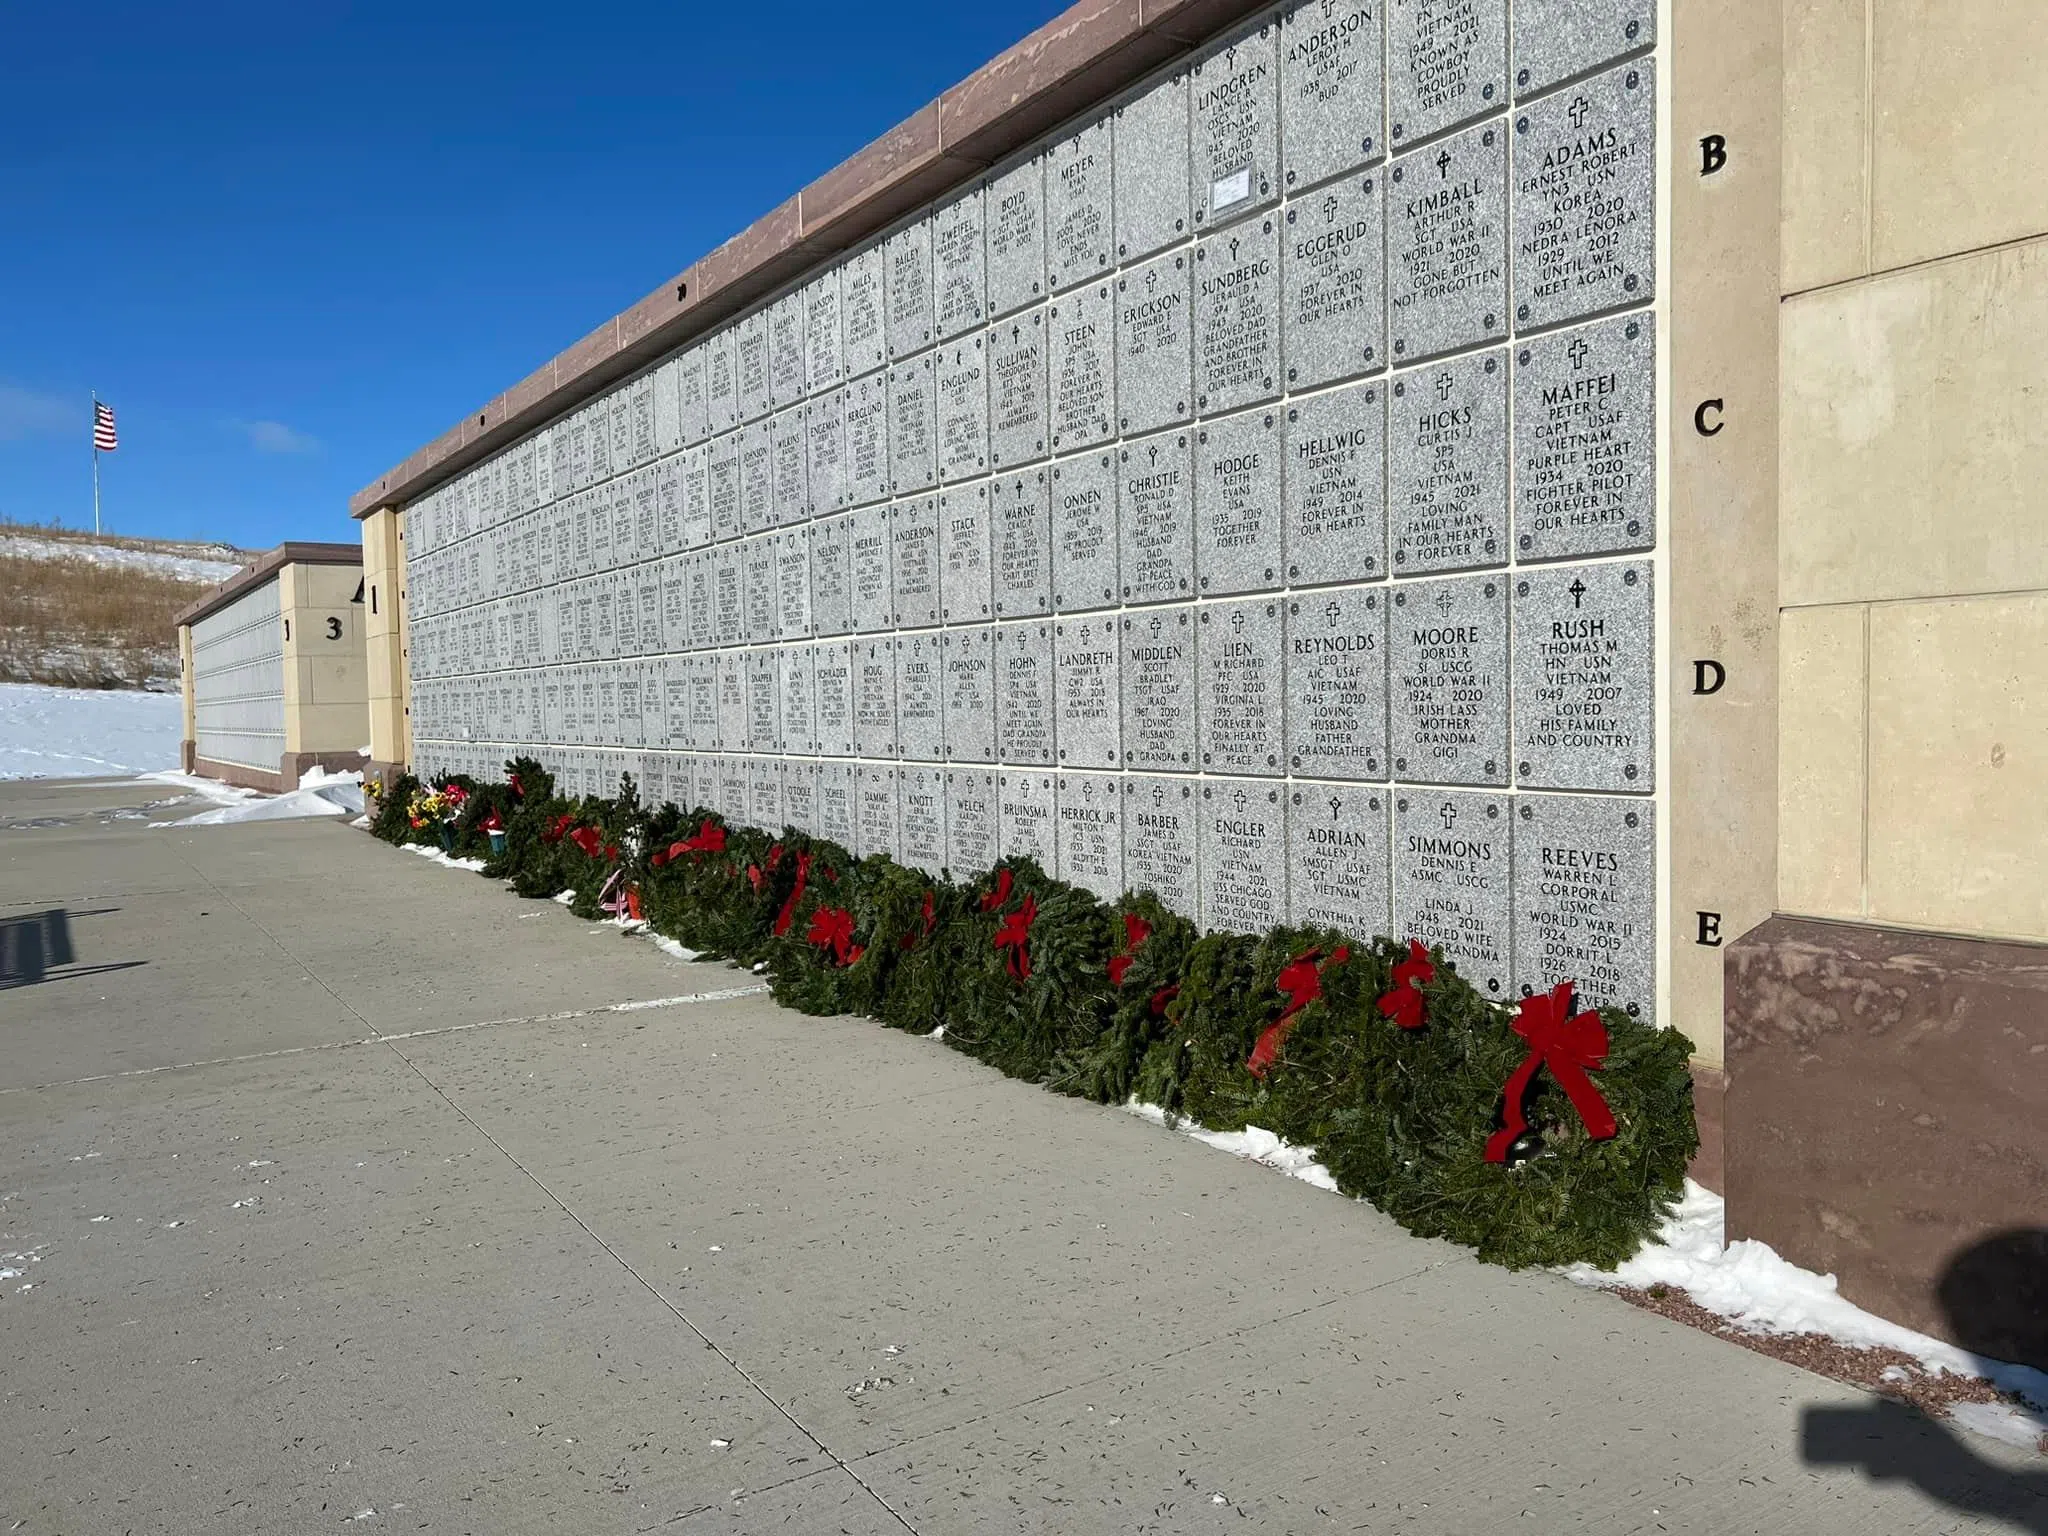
x: 965, y: 590
x: 1334, y: 485
x: 1078, y: 237
x: 1237, y: 316
x: 1333, y: 283
x: 922, y: 793
x: 1447, y: 247
x: 1330, y: 87
x: 1085, y: 656
x: 1586, y: 440
x: 1082, y: 327
x: 1154, y: 341
x: 968, y: 692
x: 971, y: 822
x: 1084, y: 531
x: 1017, y: 405
x: 1238, y: 513
x: 1244, y: 855
x: 1447, y: 465
x: 1337, y: 684
x: 1337, y: 858
x: 1448, y: 665
x: 1024, y: 692
x: 1160, y: 840
x: 1234, y: 132
x: 1585, y: 174
x: 1447, y: 62
x: 1585, y: 892
x: 1159, y: 688
x: 961, y: 383
x: 1089, y: 832
x: 1585, y: 686
x: 1026, y: 808
x: 1240, y: 724
x: 1453, y: 884
x: 1015, y: 212
x: 920, y: 703
x: 1156, y: 517
x: 1151, y: 148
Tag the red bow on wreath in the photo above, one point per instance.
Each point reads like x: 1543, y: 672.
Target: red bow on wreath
x: 832, y: 929
x: 558, y: 828
x: 491, y: 822
x: 708, y: 838
x: 517, y: 791
x: 455, y: 795
x: 1000, y: 894
x: 1302, y: 980
x: 1015, y: 935
x: 1136, y: 932
x: 796, y: 894
x: 589, y: 839
x: 1570, y: 1045
x: 1404, y: 1003
x: 930, y: 915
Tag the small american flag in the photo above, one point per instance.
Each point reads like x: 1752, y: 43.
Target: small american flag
x: 103, y: 437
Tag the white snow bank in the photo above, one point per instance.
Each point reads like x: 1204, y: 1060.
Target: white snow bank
x: 192, y: 568
x: 68, y: 733
x: 1254, y: 1144
x: 435, y: 855
x: 319, y: 794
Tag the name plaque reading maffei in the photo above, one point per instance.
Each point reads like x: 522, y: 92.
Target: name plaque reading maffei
x: 1254, y: 492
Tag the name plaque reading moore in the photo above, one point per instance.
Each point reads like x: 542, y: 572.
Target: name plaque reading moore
x: 1249, y: 495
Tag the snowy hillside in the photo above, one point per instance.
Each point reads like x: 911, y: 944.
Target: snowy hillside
x: 201, y: 564
x: 59, y: 733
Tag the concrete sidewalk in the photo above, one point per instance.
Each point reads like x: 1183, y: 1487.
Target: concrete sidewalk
x: 350, y: 1198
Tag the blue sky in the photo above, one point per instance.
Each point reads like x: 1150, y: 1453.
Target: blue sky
x: 289, y: 244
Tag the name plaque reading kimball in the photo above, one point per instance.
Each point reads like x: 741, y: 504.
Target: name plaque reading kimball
x: 1585, y: 890
x: 1156, y: 517
x: 1447, y: 465
x: 1026, y: 813
x: 1586, y: 440
x: 1088, y: 832
x: 1447, y: 244
x: 1337, y: 858
x: 967, y: 691
x: 1330, y: 88
x: 1448, y: 664
x: 1158, y: 667
x: 1088, y: 702
x: 1239, y: 650
x: 1452, y: 863
x: 972, y: 821
x: 1084, y: 532
x: 922, y: 817
x: 1244, y: 855
x: 1585, y: 688
x: 1161, y: 840
x: 1447, y: 62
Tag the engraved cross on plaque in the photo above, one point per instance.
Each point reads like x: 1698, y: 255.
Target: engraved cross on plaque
x: 1238, y: 800
x: 1577, y: 590
x: 1443, y: 604
x: 1578, y: 110
x: 1450, y: 816
x: 1443, y: 164
x: 1444, y: 385
x: 1577, y: 352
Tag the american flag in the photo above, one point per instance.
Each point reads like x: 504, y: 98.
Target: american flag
x: 103, y: 437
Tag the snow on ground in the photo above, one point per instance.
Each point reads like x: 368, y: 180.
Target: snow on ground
x: 192, y: 568
x: 319, y: 794
x: 60, y: 733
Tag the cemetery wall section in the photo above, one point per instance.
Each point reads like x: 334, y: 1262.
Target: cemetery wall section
x: 1248, y: 491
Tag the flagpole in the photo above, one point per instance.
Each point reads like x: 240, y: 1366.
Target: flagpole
x: 96, y: 463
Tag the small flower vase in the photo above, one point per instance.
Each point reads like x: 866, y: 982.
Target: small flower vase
x: 497, y: 844
x: 447, y: 838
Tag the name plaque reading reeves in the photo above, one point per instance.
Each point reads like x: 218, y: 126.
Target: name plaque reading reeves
x: 1082, y: 324
x: 1022, y: 522
x: 1448, y: 663
x: 1333, y: 283
x: 1337, y: 684
x: 1154, y: 340
x: 1585, y: 440
x: 1160, y: 839
x: 1026, y: 830
x: 971, y: 822
x: 1238, y: 512
x: 969, y: 694
x: 1447, y: 62
x: 922, y: 818
x: 1330, y: 89
x: 1453, y: 884
x: 1585, y: 899
x: 1159, y: 688
x: 915, y: 560
x: 1447, y: 465
x: 959, y: 263
x: 1024, y: 692
x: 962, y: 389
x: 1447, y: 244
x: 1089, y: 702
x: 1015, y: 211
x: 1089, y: 833
x: 1585, y: 198
x: 1235, y: 129
x: 965, y: 588
x: 1017, y: 384
x: 1078, y: 237
x: 1151, y: 148
x: 1084, y: 531
x: 1239, y: 650
x: 1237, y: 316
x: 1585, y: 688
x: 1156, y: 517
x: 1243, y: 865
x: 1337, y: 858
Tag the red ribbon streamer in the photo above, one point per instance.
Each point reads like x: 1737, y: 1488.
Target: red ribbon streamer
x: 931, y: 921
x: 1000, y: 894
x: 517, y: 789
x: 1404, y: 1004
x: 1015, y: 936
x: 754, y: 877
x: 589, y: 839
x: 1302, y: 980
x: 491, y: 822
x: 558, y: 828
x: 796, y: 894
x: 1136, y: 932
x: 832, y: 929
x: 1570, y: 1045
x: 1162, y: 997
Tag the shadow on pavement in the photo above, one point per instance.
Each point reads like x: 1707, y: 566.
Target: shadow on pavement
x: 33, y: 946
x: 1996, y: 1296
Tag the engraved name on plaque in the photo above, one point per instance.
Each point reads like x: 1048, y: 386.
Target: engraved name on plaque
x: 922, y: 817
x: 1333, y: 285
x: 1160, y: 840
x: 1089, y: 832
x: 1244, y: 855
x: 960, y: 382
x: 971, y: 822
x: 1585, y: 182
x: 1447, y: 465
x: 1330, y: 88
x: 1337, y: 858
x: 1026, y: 832
x: 1336, y: 524
x: 1585, y: 688
x: 1078, y: 236
x: 913, y: 425
x: 1447, y: 62
x: 1585, y: 890
x: 1239, y: 649
x: 914, y: 558
x: 920, y: 702
x: 1337, y: 684
x: 1158, y: 668
x: 1020, y: 513
x: 1024, y: 692
x: 1586, y: 440
x: 1154, y: 344
x: 966, y: 593
x: 1237, y: 316
x: 1084, y: 531
x: 1448, y: 670
x: 1014, y: 209
x: 1447, y: 244
x: 1085, y: 671
x: 1082, y: 327
x: 1156, y: 517
x: 1234, y: 132
x: 1238, y: 512
x: 1453, y: 885
x: 1017, y: 384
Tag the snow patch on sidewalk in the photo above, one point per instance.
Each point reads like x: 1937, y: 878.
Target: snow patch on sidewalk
x: 69, y: 733
x: 1254, y: 1144
x: 320, y: 793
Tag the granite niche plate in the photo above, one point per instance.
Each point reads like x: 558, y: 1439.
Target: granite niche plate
x: 1447, y: 62
x: 1088, y: 702
x: 968, y: 693
x: 1585, y: 178
x: 1331, y: 85
x: 959, y: 266
x: 921, y: 817
x: 1585, y: 677
x: 1159, y: 706
x: 1333, y: 282
x: 1234, y: 127
x: 1335, y: 486
x: 1014, y: 208
x: 1338, y: 858
x: 915, y: 560
x: 1447, y: 465
x: 913, y: 425
x: 1586, y: 440
x: 1238, y: 512
x: 1156, y: 517
x: 1448, y: 673
x: 972, y: 821
x: 1082, y: 328
x: 1453, y: 883
x: 1556, y: 39
x: 1585, y: 892
x: 961, y: 386
x: 1021, y: 518
x: 1084, y: 532
x: 1447, y: 245
x: 1337, y: 683
x: 965, y: 591
x: 1151, y: 132
x: 1237, y: 316
x: 920, y: 704
x: 1240, y: 726
x: 907, y: 282
x: 1023, y: 675
x: 1244, y: 855
x: 1079, y: 237
x: 1026, y: 802
x: 1018, y: 425
x: 1161, y: 840
x: 1154, y: 342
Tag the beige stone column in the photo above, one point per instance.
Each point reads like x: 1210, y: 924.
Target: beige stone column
x: 384, y: 630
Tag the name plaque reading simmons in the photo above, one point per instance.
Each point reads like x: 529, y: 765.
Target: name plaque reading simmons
x: 1452, y: 861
